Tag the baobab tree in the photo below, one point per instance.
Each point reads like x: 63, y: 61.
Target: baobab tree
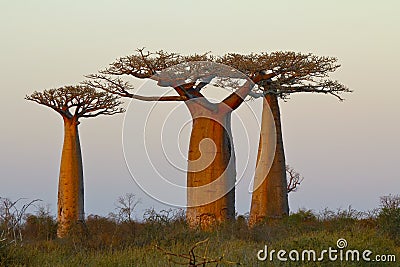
x: 73, y: 103
x: 290, y: 73
x: 211, y: 173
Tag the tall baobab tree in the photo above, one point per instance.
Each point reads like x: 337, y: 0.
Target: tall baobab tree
x: 73, y: 103
x: 290, y: 73
x: 211, y: 173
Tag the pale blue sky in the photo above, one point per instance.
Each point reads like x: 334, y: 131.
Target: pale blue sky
x: 347, y: 152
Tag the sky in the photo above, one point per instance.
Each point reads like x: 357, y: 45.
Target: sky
x: 347, y: 151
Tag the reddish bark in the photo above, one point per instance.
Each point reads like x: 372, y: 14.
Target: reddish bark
x: 269, y: 199
x: 211, y: 167
x: 70, y: 186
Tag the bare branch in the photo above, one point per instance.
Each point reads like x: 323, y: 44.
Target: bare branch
x: 12, y: 217
x: 142, y: 64
x: 118, y: 87
x: 234, y: 100
x: 192, y: 259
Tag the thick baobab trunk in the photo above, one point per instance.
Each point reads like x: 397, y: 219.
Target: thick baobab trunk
x: 269, y: 199
x: 70, y: 185
x: 211, y: 168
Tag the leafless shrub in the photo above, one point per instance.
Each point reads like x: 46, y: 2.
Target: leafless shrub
x: 390, y: 202
x: 12, y: 217
x: 125, y: 207
x: 341, y: 214
x: 294, y: 179
x: 163, y: 217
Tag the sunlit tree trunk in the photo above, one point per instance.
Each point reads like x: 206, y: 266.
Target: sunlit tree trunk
x: 269, y: 198
x: 70, y: 186
x: 211, y: 168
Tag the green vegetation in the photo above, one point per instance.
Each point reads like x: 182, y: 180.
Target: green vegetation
x: 163, y: 237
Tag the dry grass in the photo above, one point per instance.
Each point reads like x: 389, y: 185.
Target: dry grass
x: 163, y: 239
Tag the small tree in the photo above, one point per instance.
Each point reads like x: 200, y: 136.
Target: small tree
x: 295, y: 179
x: 125, y: 207
x: 73, y: 103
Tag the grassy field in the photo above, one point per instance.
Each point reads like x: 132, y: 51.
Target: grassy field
x: 163, y: 239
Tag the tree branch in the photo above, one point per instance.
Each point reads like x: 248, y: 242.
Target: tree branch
x: 234, y: 100
x: 118, y: 87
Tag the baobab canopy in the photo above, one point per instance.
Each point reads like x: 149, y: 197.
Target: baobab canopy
x: 77, y: 101
x: 288, y: 72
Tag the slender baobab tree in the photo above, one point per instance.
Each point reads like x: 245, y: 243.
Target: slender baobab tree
x: 290, y: 73
x: 211, y: 173
x: 73, y: 103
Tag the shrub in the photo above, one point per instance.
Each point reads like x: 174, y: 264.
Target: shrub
x: 389, y: 217
x: 41, y: 225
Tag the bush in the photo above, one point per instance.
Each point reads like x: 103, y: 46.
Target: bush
x: 122, y: 241
x: 40, y: 226
x: 302, y: 216
x: 389, y: 217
